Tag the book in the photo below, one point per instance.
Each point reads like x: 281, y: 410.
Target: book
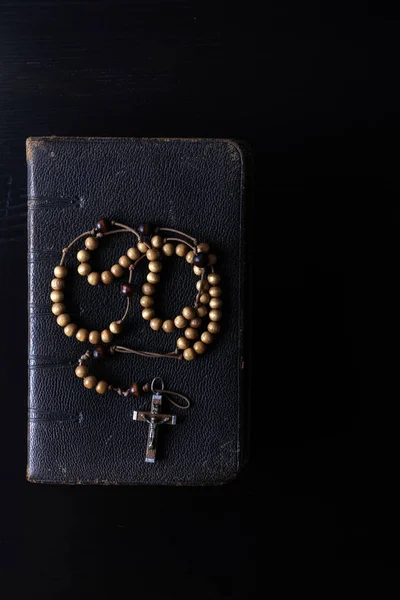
x: 76, y: 435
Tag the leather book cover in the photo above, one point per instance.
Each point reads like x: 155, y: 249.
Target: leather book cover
x: 76, y: 435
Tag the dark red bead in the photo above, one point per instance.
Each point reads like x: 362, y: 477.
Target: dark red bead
x: 99, y: 352
x: 147, y: 229
x: 127, y: 289
x: 200, y: 260
x: 102, y: 226
x: 134, y: 390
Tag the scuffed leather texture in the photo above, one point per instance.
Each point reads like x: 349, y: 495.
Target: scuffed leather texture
x: 75, y: 435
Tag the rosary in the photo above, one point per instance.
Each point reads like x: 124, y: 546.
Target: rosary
x: 199, y: 323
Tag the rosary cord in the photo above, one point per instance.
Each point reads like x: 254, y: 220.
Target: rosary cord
x: 168, y: 394
x: 123, y: 350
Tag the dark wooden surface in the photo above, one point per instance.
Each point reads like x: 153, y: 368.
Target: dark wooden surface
x: 313, y: 89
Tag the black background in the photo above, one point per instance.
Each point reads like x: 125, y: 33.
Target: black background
x: 312, y: 87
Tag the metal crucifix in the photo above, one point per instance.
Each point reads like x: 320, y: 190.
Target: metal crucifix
x: 154, y: 418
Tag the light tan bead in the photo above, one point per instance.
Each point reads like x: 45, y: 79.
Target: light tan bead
x: 215, y: 315
x: 124, y: 261
x: 142, y: 247
x: 94, y: 278
x: 84, y: 269
x: 134, y: 253
x: 190, y: 257
x: 156, y: 324
x: 168, y: 249
x: 214, y: 278
x: 60, y: 272
x: 115, y: 327
x: 203, y: 247
x: 152, y: 254
x: 189, y: 354
x: 148, y: 289
x: 57, y: 284
x: 153, y: 277
x: 107, y: 277
x: 191, y: 333
x: 70, y: 329
x: 90, y: 382
x: 83, y: 256
x: 214, y: 327
x: 57, y: 296
x: 215, y: 291
x: 102, y: 387
x: 81, y: 371
x: 117, y: 270
x: 106, y: 336
x: 94, y: 337
x: 202, y: 311
x: 196, y: 323
x: 205, y: 298
x: 82, y: 335
x: 212, y: 259
x: 197, y: 270
x: 216, y: 303
x: 182, y: 343
x: 206, y: 337
x: 63, y: 319
x: 180, y: 322
x: 182, y: 249
x: 91, y: 243
x: 155, y: 266
x: 157, y: 241
x: 58, y: 308
x: 146, y: 301
x: 148, y: 314
x: 202, y: 285
x: 188, y: 312
x: 168, y: 326
x: 199, y: 347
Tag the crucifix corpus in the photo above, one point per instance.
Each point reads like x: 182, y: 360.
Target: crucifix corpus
x: 154, y: 419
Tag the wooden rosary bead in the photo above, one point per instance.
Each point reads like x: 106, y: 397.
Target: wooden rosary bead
x: 143, y: 247
x: 127, y: 289
x: 215, y: 291
x: 157, y: 241
x: 99, y: 352
x: 134, y: 253
x: 180, y: 322
x: 124, y: 261
x: 102, y: 387
x: 102, y: 226
x: 148, y: 314
x: 168, y: 326
x: 148, y: 289
x: 155, y: 266
x: 214, y: 278
x: 206, y: 337
x: 63, y: 319
x: 156, y: 324
x: 212, y: 259
x: 153, y: 277
x: 107, y: 277
x: 196, y: 323
x: 90, y: 382
x: 182, y: 343
x: 146, y: 229
x: 216, y: 303
x: 214, y: 327
x: 60, y: 272
x: 57, y: 296
x: 189, y: 354
x: 189, y: 313
x: 115, y: 327
x: 200, y: 260
x: 106, y: 336
x: 82, y: 335
x: 168, y: 249
x: 57, y: 284
x: 191, y: 333
x: 94, y: 337
x: 215, y: 315
x: 182, y: 249
x: 70, y: 329
x: 152, y: 254
x: 91, y: 243
x: 190, y: 257
x: 117, y: 270
x: 205, y: 298
x: 202, y: 311
x: 58, y: 308
x: 81, y: 371
x: 83, y: 256
x: 202, y: 285
x: 134, y: 390
x: 203, y: 247
x: 84, y: 269
x: 94, y: 278
x: 199, y: 347
x: 146, y: 301
x: 197, y: 270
